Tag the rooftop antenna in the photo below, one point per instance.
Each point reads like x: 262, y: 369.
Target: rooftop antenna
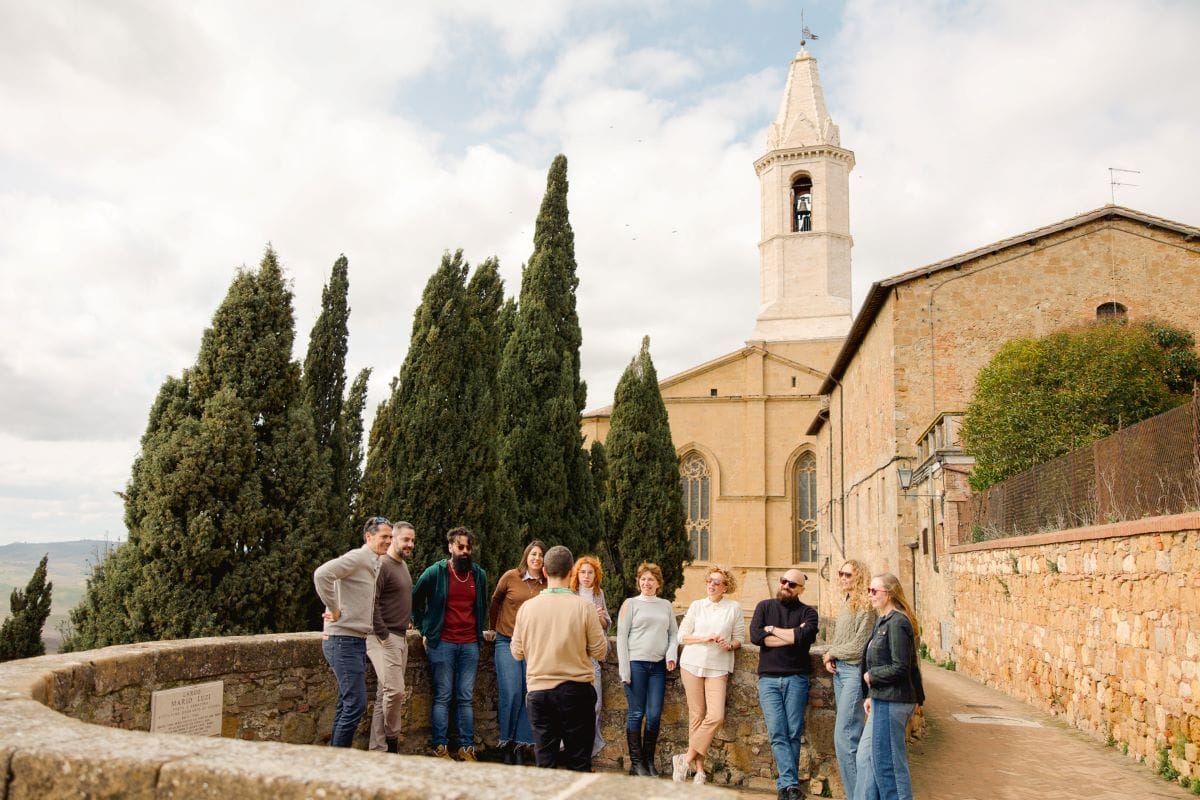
x: 805, y: 34
x: 1113, y: 179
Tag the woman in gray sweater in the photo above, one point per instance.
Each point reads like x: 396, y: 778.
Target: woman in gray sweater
x: 854, y: 623
x: 647, y: 644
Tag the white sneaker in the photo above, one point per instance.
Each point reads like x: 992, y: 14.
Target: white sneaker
x: 700, y: 778
x: 679, y: 768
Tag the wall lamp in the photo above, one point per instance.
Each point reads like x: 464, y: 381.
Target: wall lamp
x: 905, y: 476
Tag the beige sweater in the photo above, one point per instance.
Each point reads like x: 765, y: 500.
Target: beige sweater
x: 557, y: 635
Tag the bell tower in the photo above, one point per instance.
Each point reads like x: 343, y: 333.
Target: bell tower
x: 804, y: 249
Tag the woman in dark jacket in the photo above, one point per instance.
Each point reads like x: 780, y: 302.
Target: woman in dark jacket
x: 892, y: 687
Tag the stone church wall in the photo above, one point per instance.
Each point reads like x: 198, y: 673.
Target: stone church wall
x: 1099, y: 626
x: 278, y: 689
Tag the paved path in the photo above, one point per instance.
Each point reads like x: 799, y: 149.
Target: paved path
x: 965, y: 761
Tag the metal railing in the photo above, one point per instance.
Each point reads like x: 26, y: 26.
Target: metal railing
x: 1148, y: 469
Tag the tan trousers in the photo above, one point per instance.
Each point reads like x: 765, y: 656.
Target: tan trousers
x: 389, y: 657
x: 706, y: 708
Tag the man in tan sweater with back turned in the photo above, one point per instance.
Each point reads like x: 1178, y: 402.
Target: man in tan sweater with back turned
x: 557, y: 635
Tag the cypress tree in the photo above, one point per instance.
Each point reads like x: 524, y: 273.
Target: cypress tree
x: 432, y: 457
x: 228, y: 496
x: 352, y: 427
x: 324, y: 387
x: 21, y: 633
x: 541, y: 393
x: 643, y: 506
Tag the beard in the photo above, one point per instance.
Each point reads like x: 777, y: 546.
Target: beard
x: 785, y: 598
x: 461, y: 563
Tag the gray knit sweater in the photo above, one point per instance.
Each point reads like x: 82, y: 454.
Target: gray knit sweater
x: 851, y: 634
x: 348, y: 583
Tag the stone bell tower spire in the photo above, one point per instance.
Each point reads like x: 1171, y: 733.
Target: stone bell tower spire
x: 804, y: 250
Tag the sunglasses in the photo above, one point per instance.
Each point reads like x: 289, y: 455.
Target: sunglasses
x: 844, y: 574
x: 374, y: 522
x: 789, y: 584
x: 871, y: 590
x: 715, y: 581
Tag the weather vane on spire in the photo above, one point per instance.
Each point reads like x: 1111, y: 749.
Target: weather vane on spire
x: 805, y: 34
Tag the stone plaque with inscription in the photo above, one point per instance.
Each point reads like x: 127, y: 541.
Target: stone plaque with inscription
x: 194, y: 709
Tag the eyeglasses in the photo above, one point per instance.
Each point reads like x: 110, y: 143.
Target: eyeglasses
x: 374, y: 522
x: 789, y: 584
x: 871, y: 590
x: 844, y: 574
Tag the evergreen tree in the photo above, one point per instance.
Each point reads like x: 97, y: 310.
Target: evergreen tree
x: 21, y: 633
x: 432, y: 457
x: 228, y: 496
x: 541, y: 393
x: 643, y: 507
x: 324, y: 387
x: 352, y: 427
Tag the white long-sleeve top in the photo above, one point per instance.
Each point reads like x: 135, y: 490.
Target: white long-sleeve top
x: 704, y: 617
x: 646, y: 631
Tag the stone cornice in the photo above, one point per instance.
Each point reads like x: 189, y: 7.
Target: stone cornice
x: 801, y: 153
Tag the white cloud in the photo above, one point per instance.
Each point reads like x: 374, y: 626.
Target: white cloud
x: 151, y: 149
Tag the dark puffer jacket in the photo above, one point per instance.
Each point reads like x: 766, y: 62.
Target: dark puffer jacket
x: 891, y: 658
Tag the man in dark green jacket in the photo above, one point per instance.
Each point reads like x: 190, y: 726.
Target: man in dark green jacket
x: 449, y: 604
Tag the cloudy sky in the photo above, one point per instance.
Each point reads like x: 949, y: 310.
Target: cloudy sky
x: 149, y: 149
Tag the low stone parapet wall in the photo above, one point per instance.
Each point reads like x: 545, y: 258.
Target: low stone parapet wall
x: 76, y: 724
x: 1099, y: 625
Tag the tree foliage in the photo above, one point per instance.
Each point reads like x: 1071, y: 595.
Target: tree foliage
x: 21, y: 633
x: 432, y: 456
x: 1040, y: 398
x: 228, y: 495
x: 541, y: 393
x: 324, y: 390
x: 643, y: 506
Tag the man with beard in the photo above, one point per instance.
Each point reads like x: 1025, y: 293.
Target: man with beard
x: 449, y: 604
x: 387, y: 646
x: 784, y: 629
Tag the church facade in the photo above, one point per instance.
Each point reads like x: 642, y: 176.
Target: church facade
x: 794, y: 450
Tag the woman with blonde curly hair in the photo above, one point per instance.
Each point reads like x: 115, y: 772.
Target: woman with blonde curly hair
x: 586, y: 577
x: 854, y: 623
x: 713, y: 628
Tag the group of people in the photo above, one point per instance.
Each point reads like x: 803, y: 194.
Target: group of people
x: 549, y: 620
x: 547, y: 617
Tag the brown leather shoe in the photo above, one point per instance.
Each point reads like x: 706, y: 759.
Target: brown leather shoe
x: 466, y: 754
x: 442, y: 752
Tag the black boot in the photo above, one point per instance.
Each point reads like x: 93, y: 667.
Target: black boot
x: 649, y: 745
x: 508, y: 753
x: 393, y: 744
x: 634, y: 740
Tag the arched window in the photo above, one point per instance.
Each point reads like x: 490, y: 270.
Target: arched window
x: 804, y: 541
x: 802, y: 204
x: 1110, y: 310
x: 694, y: 476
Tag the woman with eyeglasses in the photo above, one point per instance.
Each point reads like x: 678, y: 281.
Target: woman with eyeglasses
x: 854, y: 623
x: 514, y: 587
x: 712, y: 629
x: 647, y: 643
x: 891, y: 682
x: 586, y: 577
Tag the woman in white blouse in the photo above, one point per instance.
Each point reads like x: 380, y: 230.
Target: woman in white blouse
x: 711, y: 631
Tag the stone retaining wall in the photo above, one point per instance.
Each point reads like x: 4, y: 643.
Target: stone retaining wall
x: 1100, y: 626
x: 278, y: 689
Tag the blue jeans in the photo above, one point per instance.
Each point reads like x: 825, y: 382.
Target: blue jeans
x: 784, y: 699
x: 848, y: 726
x: 453, y: 667
x: 883, y: 755
x: 347, y: 657
x: 510, y: 683
x: 644, y: 694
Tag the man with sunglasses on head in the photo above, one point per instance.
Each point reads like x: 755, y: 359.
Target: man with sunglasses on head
x: 346, y: 585
x: 784, y: 629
